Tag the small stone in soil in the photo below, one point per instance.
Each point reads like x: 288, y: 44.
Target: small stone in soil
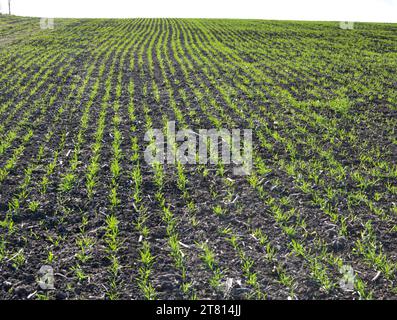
x: 60, y: 296
x: 21, y: 292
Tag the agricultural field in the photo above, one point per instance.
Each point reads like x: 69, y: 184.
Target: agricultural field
x: 316, y: 218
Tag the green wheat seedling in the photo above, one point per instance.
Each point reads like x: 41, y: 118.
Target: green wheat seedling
x: 85, y: 245
x: 112, y: 233
x: 369, y: 247
x: 147, y: 261
x: 208, y: 257
x: 67, y: 182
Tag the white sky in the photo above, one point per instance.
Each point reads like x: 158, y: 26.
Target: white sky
x: 330, y: 10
